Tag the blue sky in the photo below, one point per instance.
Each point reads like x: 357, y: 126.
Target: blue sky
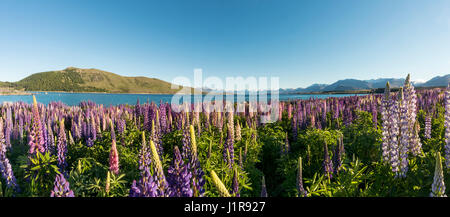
x: 302, y: 42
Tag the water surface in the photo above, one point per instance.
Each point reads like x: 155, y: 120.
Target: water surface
x: 116, y: 99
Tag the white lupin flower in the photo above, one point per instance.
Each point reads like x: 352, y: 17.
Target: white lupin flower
x: 438, y: 186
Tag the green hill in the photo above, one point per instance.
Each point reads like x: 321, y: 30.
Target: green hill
x: 92, y: 80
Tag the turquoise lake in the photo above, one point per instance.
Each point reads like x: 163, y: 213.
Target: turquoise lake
x: 116, y: 99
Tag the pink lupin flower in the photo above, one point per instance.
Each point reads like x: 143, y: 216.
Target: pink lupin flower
x: 113, y: 155
x: 36, y: 137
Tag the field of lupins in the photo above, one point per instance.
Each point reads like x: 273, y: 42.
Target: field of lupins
x: 384, y: 145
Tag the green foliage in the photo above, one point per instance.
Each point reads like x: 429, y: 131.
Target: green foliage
x: 91, y: 80
x: 362, y: 139
x: 362, y: 174
x: 41, y: 171
x: 56, y: 81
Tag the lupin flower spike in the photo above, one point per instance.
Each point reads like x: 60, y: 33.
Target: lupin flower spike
x: 193, y: 142
x: 438, y: 186
x: 219, y: 185
x: 300, y: 189
x: 113, y: 155
x: 263, y: 188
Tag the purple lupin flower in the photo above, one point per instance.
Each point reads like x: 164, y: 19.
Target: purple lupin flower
x: 93, y: 128
x: 51, y: 138
x: 186, y: 149
x: 386, y: 124
x: 294, y: 128
x: 75, y: 131
x: 20, y: 128
x: 235, y: 190
x: 36, y: 137
x: 374, y: 115
x: 8, y: 136
x: 120, y: 126
x: 230, y: 146
x: 62, y: 146
x: 198, y: 181
x: 5, y: 166
x: 45, y: 134
x: 301, y: 192
x: 135, y: 190
x: 179, y: 177
x: 428, y: 126
x: 241, y: 160
x: 391, y: 119
x: 160, y: 178
x: 338, y: 155
x: 324, y: 113
x: 15, y: 133
x: 263, y: 188
x: 7, y: 173
x: 144, y: 156
x: 146, y: 124
x: 8, y: 127
x: 327, y: 163
x: 62, y: 187
x: 285, y: 149
x: 137, y: 108
x: 447, y: 126
x: 146, y: 187
x: 414, y: 145
x: 163, y: 118
x: 403, y: 135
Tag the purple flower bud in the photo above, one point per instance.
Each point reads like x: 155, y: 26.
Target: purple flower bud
x: 179, y: 177
x: 263, y: 188
x: 428, y: 126
x: 62, y: 187
x: 327, y: 163
x: 301, y: 191
x: 235, y: 189
x: 62, y: 146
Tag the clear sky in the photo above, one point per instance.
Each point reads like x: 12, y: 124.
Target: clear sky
x: 302, y: 42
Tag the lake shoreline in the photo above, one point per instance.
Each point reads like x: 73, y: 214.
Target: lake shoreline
x: 167, y: 94
x: 268, y: 92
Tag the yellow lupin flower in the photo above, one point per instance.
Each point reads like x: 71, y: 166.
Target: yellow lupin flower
x: 155, y: 157
x: 219, y: 185
x: 193, y: 142
x: 108, y: 182
x: 34, y: 101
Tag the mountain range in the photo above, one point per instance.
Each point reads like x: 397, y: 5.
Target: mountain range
x: 355, y: 85
x: 74, y: 79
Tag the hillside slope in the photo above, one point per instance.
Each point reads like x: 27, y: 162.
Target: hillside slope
x: 92, y: 80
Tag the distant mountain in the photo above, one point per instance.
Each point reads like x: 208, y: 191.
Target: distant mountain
x: 347, y: 84
x: 74, y: 79
x: 438, y: 81
x: 356, y: 85
x: 381, y: 82
x: 312, y: 88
